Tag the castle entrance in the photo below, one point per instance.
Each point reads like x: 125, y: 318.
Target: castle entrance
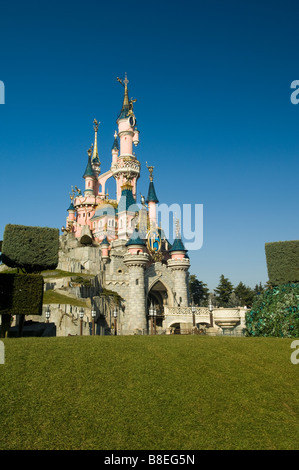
x: 158, y: 298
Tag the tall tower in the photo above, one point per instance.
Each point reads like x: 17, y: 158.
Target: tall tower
x: 95, y: 161
x: 126, y: 167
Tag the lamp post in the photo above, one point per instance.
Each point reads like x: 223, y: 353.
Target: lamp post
x: 93, y: 315
x: 155, y: 320
x: 115, y: 321
x: 48, y: 314
x: 81, y: 314
x: 211, y: 313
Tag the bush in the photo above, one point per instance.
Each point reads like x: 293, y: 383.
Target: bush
x: 282, y: 262
x: 21, y: 294
x: 32, y: 249
x: 275, y: 313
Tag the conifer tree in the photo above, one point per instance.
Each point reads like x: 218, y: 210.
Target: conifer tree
x: 198, y: 290
x: 223, y: 291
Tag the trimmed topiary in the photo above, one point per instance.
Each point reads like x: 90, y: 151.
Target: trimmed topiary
x: 275, y: 312
x: 282, y: 262
x: 33, y: 249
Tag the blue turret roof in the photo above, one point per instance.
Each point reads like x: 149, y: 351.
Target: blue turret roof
x: 88, y: 170
x: 127, y: 201
x: 71, y: 208
x: 135, y: 239
x: 178, y: 245
x: 115, y: 145
x: 151, y: 195
x: 105, y: 242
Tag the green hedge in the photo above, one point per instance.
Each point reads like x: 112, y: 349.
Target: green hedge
x: 282, y: 262
x: 275, y: 313
x: 33, y: 249
x: 21, y: 294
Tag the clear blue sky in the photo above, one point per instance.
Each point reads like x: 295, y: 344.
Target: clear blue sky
x: 212, y: 79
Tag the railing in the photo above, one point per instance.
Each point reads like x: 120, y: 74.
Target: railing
x: 204, y: 311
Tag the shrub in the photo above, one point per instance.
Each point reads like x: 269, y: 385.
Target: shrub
x: 32, y: 249
x: 21, y: 294
x: 275, y: 312
x: 282, y: 262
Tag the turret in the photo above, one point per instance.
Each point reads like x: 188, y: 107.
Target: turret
x: 152, y: 200
x: 95, y: 161
x: 115, y: 149
x: 126, y: 166
x: 179, y: 265
x: 105, y: 249
x: 127, y: 209
x: 89, y: 176
x: 135, y: 244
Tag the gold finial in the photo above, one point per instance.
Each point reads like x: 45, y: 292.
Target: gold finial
x: 89, y: 151
x: 95, y: 154
x: 125, y: 84
x: 72, y: 194
x: 115, y: 134
x: 78, y: 191
x: 150, y: 169
x: 96, y: 125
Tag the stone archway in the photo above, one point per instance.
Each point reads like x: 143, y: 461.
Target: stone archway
x: 159, y: 295
x: 180, y: 328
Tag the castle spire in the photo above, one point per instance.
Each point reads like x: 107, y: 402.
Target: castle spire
x: 151, y: 195
x: 115, y: 145
x: 126, y: 105
x: 95, y: 155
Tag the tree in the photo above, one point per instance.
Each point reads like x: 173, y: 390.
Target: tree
x: 31, y: 250
x: 198, y: 290
x: 258, y: 289
x: 223, y: 291
x: 245, y: 294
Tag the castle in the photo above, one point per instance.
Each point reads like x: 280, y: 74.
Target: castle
x: 120, y: 240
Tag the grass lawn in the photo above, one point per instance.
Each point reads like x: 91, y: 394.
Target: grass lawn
x: 152, y: 393
x: 53, y: 297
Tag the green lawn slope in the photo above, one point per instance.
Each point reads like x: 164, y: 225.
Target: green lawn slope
x: 152, y: 393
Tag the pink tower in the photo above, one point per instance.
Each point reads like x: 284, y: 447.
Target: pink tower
x: 126, y: 167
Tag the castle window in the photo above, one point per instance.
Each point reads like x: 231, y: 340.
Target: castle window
x: 137, y: 282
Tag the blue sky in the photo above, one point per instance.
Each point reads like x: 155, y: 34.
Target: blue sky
x: 212, y: 82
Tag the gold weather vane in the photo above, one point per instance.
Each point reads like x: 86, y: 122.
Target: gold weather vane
x: 96, y: 125
x: 150, y: 169
x: 123, y: 82
x: 78, y: 191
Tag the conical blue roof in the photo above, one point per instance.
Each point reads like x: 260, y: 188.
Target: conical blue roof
x: 88, y: 170
x: 135, y: 239
x: 115, y: 145
x: 178, y: 245
x: 71, y: 208
x: 105, y: 242
x: 151, y: 195
x: 127, y: 201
